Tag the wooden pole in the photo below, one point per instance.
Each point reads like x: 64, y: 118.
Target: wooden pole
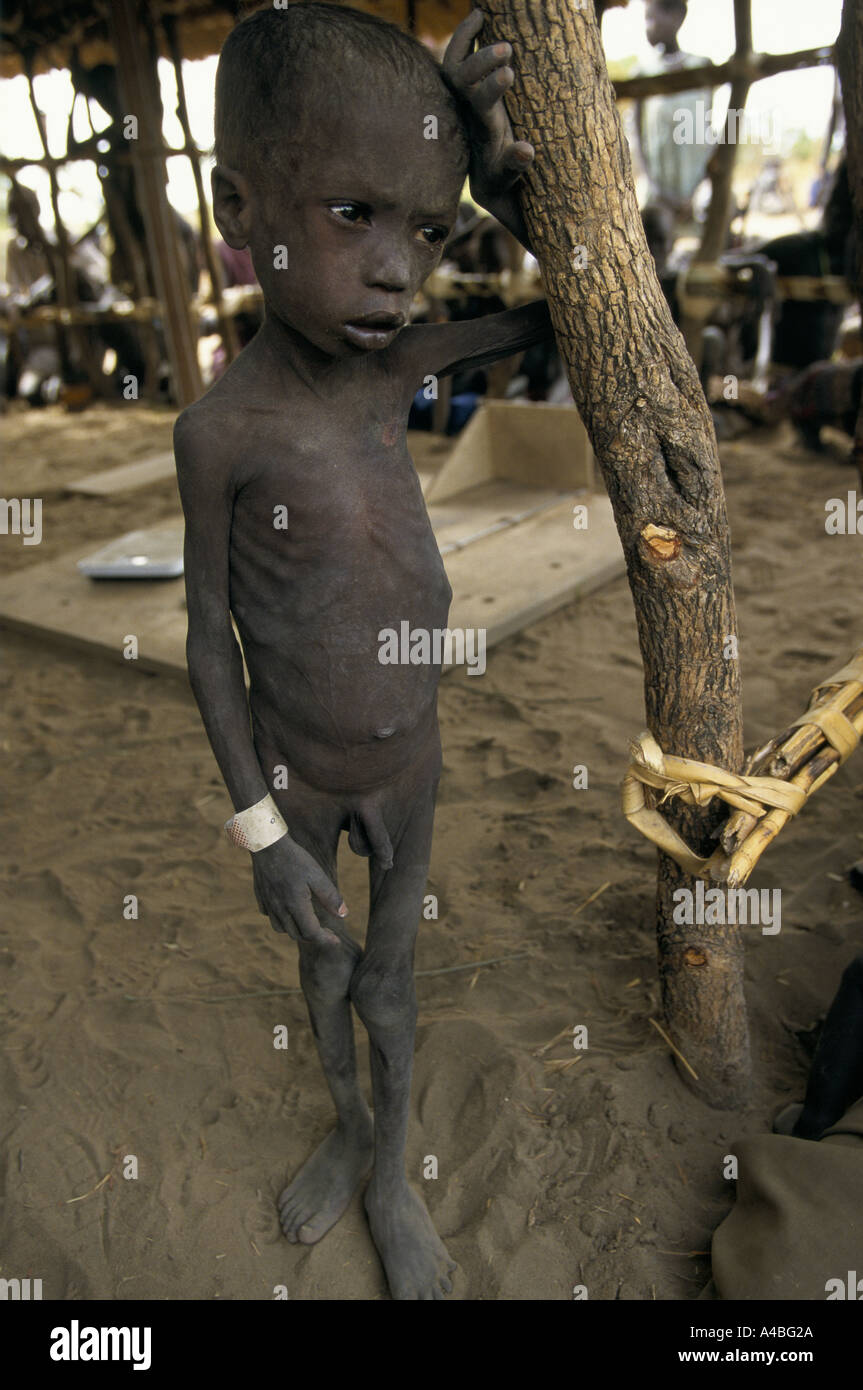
x: 139, y: 85
x: 58, y: 257
x: 722, y: 165
x: 78, y: 351
x: 721, y: 170
x: 827, y: 147
x: 126, y: 243
x: 754, y: 68
x: 639, y: 396
x: 227, y: 327
x: 849, y: 55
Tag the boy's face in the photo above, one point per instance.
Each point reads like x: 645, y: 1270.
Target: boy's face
x: 364, y: 218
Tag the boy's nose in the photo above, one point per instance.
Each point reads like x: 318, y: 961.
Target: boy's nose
x: 389, y: 266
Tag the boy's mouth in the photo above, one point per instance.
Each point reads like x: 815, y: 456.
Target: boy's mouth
x: 373, y: 330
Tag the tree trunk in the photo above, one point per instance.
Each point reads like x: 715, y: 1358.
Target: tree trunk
x: 849, y: 54
x: 639, y: 396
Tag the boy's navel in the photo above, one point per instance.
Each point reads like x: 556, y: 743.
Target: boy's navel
x: 391, y: 433
x: 385, y: 732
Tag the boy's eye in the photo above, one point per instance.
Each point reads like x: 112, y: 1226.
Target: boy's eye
x: 349, y: 212
x: 435, y: 236
x: 354, y: 213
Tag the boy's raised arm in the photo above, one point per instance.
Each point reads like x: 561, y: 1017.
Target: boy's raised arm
x: 439, y: 349
x: 479, y: 80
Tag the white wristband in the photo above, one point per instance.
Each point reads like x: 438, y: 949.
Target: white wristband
x: 256, y: 828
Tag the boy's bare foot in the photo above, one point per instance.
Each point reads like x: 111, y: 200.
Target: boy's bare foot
x: 319, y: 1194
x: 414, y: 1257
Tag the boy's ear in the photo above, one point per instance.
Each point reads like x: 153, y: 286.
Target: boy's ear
x: 232, y: 212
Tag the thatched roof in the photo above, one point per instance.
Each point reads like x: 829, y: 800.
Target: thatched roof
x: 52, y: 31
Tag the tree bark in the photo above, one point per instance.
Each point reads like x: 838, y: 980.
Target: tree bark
x: 639, y: 396
x: 849, y: 55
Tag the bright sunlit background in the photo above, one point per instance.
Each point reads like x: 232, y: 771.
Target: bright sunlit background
x: 796, y: 106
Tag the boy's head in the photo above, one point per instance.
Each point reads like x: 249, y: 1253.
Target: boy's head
x: 662, y: 20
x: 338, y: 140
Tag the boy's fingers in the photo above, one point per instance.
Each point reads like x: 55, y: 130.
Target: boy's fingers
x: 509, y: 165
x: 282, y: 922
x: 486, y: 94
x: 307, y: 923
x: 327, y: 894
x: 461, y: 42
x: 483, y: 63
x: 518, y: 156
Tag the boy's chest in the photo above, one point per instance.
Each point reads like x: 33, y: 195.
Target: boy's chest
x: 336, y: 476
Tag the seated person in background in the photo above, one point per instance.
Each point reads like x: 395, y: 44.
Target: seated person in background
x: 807, y: 331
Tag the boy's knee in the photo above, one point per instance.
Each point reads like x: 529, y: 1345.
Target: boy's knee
x: 383, y: 994
x: 326, y: 971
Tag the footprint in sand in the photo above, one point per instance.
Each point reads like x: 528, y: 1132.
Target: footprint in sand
x: 523, y: 783
x: 261, y: 1220
x: 120, y: 870
x: 137, y: 717
x: 45, y: 895
x: 27, y: 1056
x: 461, y: 1103
x: 51, y: 918
x: 546, y: 740
x: 796, y: 656
x: 216, y: 1104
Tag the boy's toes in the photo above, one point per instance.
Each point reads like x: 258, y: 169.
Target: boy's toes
x: 302, y: 1217
x: 311, y: 1230
x: 289, y: 1223
x: 286, y: 1205
x: 288, y: 1232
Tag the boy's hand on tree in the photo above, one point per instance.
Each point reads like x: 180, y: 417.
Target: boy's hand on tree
x: 480, y: 80
x: 286, y: 880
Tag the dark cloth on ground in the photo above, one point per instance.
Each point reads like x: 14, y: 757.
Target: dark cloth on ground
x: 797, y: 1222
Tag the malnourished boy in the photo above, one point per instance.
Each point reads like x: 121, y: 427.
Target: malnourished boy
x: 341, y: 153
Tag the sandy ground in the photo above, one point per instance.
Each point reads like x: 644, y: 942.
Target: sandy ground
x: 154, y: 1037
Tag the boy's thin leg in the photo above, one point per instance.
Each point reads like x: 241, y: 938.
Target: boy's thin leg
x: 313, y: 1202
x: 416, y: 1262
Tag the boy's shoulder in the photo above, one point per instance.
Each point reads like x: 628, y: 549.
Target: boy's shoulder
x: 217, y: 423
